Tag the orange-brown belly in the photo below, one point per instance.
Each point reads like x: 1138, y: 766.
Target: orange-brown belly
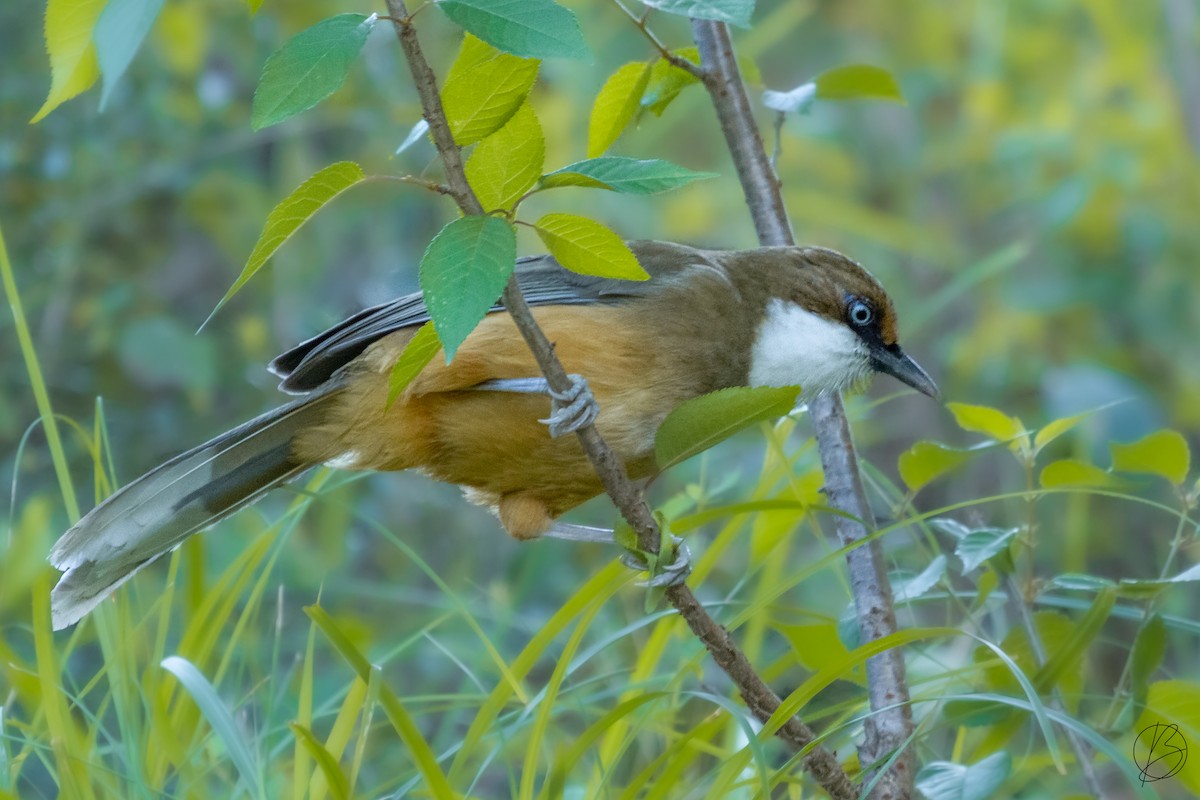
x: 493, y: 442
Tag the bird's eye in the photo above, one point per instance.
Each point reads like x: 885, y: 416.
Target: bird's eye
x: 860, y: 313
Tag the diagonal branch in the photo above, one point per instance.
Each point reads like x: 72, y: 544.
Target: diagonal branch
x: 891, y: 726
x: 759, y: 697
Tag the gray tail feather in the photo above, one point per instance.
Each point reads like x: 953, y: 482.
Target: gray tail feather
x: 155, y: 513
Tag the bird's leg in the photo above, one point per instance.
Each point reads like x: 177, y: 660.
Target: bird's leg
x: 662, y: 574
x: 569, y: 411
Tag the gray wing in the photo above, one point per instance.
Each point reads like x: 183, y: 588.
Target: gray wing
x: 312, y: 363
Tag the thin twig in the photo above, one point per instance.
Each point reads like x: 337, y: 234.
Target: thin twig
x: 624, y: 493
x: 433, y: 186
x: 642, y: 24
x: 890, y: 727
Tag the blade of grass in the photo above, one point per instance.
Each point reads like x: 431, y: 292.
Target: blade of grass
x: 221, y: 720
x: 340, y: 733
x: 537, y: 734
x: 38, y: 384
x: 335, y: 779
x: 397, y: 714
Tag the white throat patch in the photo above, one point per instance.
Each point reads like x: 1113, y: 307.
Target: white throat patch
x: 794, y: 346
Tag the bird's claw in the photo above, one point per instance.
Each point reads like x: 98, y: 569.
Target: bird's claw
x: 571, y: 410
x: 663, y: 575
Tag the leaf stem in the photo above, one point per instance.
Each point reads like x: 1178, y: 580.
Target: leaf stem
x: 641, y: 23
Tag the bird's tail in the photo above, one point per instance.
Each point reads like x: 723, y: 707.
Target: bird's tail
x: 155, y: 513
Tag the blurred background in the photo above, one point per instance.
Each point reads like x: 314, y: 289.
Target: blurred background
x: 1032, y: 209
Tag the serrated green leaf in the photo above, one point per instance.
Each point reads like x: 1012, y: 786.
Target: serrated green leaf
x: 1073, y: 472
x: 988, y: 421
x: 73, y: 66
x: 587, y: 247
x: 925, y: 461
x: 1149, y: 647
x: 906, y: 589
x: 118, y: 34
x: 615, y: 105
x: 1166, y: 730
x: 463, y: 271
x: 533, y: 28
x: 311, y: 66
x: 484, y: 89
x: 735, y: 12
x: 624, y: 175
x: 981, y: 545
x: 1162, y: 453
x: 1055, y: 429
x: 219, y: 717
x: 419, y: 351
x: 291, y: 213
x: 943, y: 780
x: 508, y: 163
x: 698, y: 424
x: 858, y: 81
x: 667, y: 81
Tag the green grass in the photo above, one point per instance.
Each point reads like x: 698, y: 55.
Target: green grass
x: 408, y: 675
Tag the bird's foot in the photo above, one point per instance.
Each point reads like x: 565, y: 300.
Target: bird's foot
x: 662, y: 572
x: 571, y: 410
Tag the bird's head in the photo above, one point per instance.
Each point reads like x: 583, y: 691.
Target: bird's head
x: 826, y: 324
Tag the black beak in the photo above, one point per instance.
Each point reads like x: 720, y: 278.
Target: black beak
x: 895, y: 362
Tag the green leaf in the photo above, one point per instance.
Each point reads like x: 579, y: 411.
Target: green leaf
x: 697, y: 424
x: 616, y: 103
x: 858, y: 81
x: 1074, y: 581
x: 906, y: 589
x: 1073, y: 472
x: 1166, y: 729
x: 1162, y: 453
x: 484, y: 89
x: 975, y: 545
x: 943, y: 780
x: 217, y: 713
x: 118, y: 34
x: 735, y: 12
x: 926, y: 461
x: 291, y: 213
x: 989, y: 421
x: 818, y: 646
x: 419, y: 351
x: 311, y: 66
x: 463, y: 271
x: 1149, y: 647
x: 624, y: 175
x: 1055, y: 429
x: 587, y: 247
x: 509, y: 162
x: 533, y: 28
x: 667, y: 81
x: 68, y: 30
x: 1148, y: 588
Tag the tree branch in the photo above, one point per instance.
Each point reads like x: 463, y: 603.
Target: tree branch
x: 890, y: 727
x: 625, y: 495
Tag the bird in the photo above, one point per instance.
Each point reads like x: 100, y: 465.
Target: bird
x: 705, y: 320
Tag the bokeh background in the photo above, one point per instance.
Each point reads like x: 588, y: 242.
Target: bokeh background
x: 1032, y: 209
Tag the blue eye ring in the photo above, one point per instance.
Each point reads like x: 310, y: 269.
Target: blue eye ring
x: 859, y: 313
